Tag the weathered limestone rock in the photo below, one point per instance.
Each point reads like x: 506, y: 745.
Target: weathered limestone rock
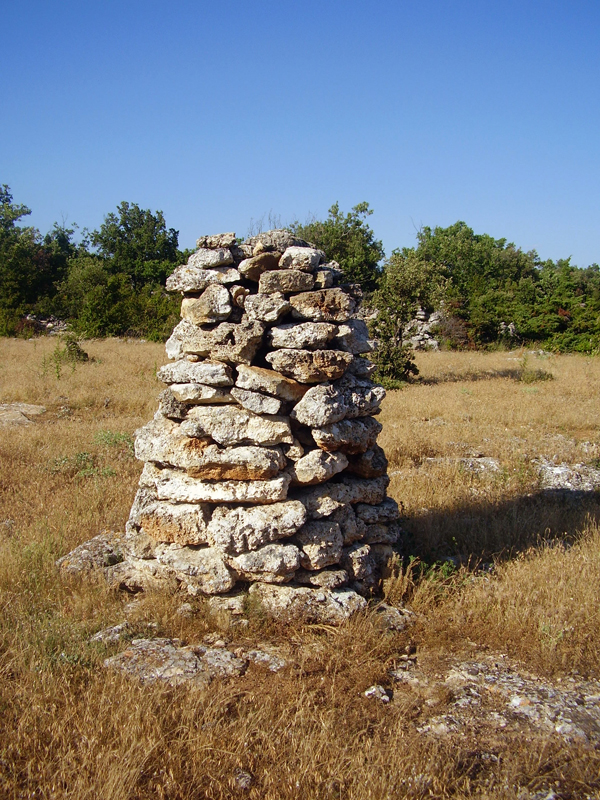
x: 317, y: 466
x: 229, y: 425
x: 324, y: 279
x: 204, y: 565
x: 177, y: 487
x: 325, y: 578
x: 213, y: 305
x: 237, y: 530
x: 383, y: 534
x: 266, y: 307
x: 313, y: 605
x: 370, y: 464
x: 321, y: 501
x: 197, y: 393
x: 278, y: 240
x: 190, y: 278
x: 185, y: 523
x: 325, y: 305
x: 349, y: 435
x: 210, y: 373
x: 166, y: 661
x: 274, y: 383
x: 170, y: 407
x: 306, y: 259
x: 285, y: 281
x: 347, y: 398
x: 302, y: 336
x: 216, y: 241
x: 234, y: 343
x: 321, y: 542
x: 361, y: 368
x: 310, y: 366
x: 253, y: 268
x: 352, y: 527
x: 353, y: 336
x: 239, y: 295
x: 357, y: 561
x: 101, y: 551
x: 15, y: 414
x: 386, y: 511
x: 257, y: 402
x: 273, y: 563
x: 210, y: 258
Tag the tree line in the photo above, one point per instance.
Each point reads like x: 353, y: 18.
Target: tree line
x: 110, y: 282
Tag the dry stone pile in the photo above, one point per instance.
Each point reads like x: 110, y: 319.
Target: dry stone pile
x: 261, y: 463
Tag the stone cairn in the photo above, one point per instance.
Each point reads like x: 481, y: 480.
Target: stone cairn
x: 261, y: 463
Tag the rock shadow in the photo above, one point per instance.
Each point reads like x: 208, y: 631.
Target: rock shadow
x: 481, y: 531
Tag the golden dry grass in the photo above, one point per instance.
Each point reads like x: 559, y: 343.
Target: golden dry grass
x: 69, y: 729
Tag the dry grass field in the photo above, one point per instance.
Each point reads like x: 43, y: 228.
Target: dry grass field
x: 523, y: 584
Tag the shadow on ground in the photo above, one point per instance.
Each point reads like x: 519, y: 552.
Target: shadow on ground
x: 512, y: 373
x: 481, y: 531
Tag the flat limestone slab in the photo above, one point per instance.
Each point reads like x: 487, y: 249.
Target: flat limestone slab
x: 15, y: 414
x: 180, y: 488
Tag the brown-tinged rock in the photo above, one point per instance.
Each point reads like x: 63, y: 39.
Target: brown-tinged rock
x: 310, y: 366
x: 324, y: 305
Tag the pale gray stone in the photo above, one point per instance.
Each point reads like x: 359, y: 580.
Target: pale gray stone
x: 273, y: 563
x: 181, y: 488
x: 321, y: 501
x: 302, y: 336
x: 349, y: 435
x: 253, y: 268
x: 213, y: 305
x: 352, y: 527
x: 206, y: 258
x: 324, y: 279
x: 310, y: 366
x: 293, y: 451
x: 361, y: 397
x: 237, y: 530
x: 306, y: 259
x: 317, y: 466
x: 188, y: 278
x: 324, y: 305
x: 321, y: 405
x: 325, y: 579
x: 257, y: 379
x: 15, y: 414
x: 383, y: 534
x: 101, y: 551
x: 386, y: 511
x: 166, y: 661
x: 266, y: 307
x: 357, y: 561
x: 285, y: 281
x: 234, y: 343
x: 169, y: 406
x: 210, y: 373
x: 361, y: 367
x: 229, y: 425
x: 321, y: 542
x: 197, y: 393
x: 277, y: 239
x: 184, y: 523
x: 239, y: 295
x: 256, y: 402
x: 216, y: 241
x: 369, y: 464
x: 205, y: 565
x: 353, y: 337
x: 313, y: 605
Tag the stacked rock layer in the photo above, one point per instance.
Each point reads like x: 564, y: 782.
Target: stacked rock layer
x: 261, y: 464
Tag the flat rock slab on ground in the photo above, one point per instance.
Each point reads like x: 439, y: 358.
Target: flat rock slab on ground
x: 497, y: 694
x: 15, y: 414
x: 166, y: 660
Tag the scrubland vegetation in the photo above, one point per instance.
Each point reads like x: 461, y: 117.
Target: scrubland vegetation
x: 71, y: 729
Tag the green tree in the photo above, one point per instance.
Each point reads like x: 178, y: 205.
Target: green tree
x: 408, y: 283
x: 136, y: 242
x: 347, y: 239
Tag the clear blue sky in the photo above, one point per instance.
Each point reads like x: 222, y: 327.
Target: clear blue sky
x: 217, y: 113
